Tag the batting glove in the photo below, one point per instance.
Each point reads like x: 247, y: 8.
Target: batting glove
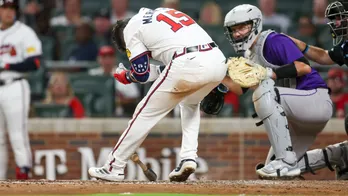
x: 122, y: 74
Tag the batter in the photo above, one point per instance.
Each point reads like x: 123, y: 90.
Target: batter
x: 195, y: 66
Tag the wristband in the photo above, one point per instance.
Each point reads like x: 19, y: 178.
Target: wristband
x: 286, y: 71
x: 129, y: 76
x: 306, y: 49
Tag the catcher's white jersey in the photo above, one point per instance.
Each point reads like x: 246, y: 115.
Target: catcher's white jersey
x: 16, y: 44
x: 174, y: 30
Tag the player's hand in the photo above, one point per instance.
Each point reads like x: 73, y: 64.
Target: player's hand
x: 121, y: 74
x: 122, y: 77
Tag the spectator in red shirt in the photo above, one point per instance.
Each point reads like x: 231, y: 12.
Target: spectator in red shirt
x: 59, y: 91
x: 232, y: 101
x: 336, y: 82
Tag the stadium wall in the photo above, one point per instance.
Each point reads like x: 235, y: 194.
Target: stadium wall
x: 229, y: 149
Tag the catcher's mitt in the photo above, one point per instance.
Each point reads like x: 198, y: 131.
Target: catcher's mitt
x: 214, y: 101
x: 247, y: 73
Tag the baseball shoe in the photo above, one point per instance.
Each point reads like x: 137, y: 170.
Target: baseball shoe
x: 278, y: 169
x: 259, y: 166
x: 103, y: 173
x: 183, y: 171
x: 22, y: 173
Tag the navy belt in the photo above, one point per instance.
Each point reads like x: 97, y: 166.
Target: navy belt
x: 199, y: 48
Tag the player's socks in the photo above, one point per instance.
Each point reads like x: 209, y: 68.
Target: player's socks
x: 22, y: 173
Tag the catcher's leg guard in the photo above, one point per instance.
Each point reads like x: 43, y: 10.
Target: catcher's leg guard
x: 333, y: 156
x: 273, y: 117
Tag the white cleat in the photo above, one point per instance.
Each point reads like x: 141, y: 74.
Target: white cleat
x: 183, y: 171
x: 104, y: 174
x: 278, y: 169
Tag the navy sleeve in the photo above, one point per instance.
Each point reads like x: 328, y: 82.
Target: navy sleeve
x: 29, y: 64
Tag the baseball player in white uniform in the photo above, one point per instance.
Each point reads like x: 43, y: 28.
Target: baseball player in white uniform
x: 195, y: 66
x: 20, y: 51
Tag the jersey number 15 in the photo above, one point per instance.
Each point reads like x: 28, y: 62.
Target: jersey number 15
x: 185, y: 19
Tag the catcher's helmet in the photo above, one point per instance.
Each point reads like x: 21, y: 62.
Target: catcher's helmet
x: 337, y: 13
x: 243, y: 14
x: 118, y: 36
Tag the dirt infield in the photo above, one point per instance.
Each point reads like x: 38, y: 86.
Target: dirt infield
x: 258, y: 187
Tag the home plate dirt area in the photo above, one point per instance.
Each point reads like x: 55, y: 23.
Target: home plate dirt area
x: 248, y: 187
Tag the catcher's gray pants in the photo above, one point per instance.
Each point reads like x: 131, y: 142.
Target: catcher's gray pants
x: 307, y: 112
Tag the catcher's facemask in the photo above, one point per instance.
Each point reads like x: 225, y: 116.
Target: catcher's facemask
x: 239, y: 42
x: 118, y: 36
x: 338, y: 24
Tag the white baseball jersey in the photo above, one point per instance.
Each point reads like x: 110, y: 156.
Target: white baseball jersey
x: 170, y: 36
x: 16, y: 44
x: 187, y: 78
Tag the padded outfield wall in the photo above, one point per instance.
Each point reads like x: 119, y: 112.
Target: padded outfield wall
x: 229, y: 149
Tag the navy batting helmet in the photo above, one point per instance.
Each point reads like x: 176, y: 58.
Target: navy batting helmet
x: 117, y: 34
x: 10, y: 3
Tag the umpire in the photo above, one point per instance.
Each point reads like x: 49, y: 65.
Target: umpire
x: 337, y: 13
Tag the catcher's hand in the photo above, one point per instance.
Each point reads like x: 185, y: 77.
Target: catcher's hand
x: 247, y: 73
x: 214, y: 101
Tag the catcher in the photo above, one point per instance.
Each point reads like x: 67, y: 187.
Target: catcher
x: 295, y: 111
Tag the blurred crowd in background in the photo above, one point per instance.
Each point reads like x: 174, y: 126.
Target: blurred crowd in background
x: 76, y: 78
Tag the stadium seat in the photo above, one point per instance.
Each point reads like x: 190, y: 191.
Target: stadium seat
x: 227, y: 5
x: 246, y: 104
x: 68, y: 45
x: 63, y: 31
x: 51, y: 110
x: 216, y: 32
x: 91, y: 7
x: 47, y: 47
x: 273, y: 27
x: 122, y: 58
x: 135, y: 5
x: 37, y: 85
x: 56, y: 12
x: 324, y: 75
x: 97, y: 93
x: 226, y: 111
x: 325, y: 36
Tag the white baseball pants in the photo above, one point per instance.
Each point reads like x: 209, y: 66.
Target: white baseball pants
x: 14, y: 109
x: 185, y: 81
